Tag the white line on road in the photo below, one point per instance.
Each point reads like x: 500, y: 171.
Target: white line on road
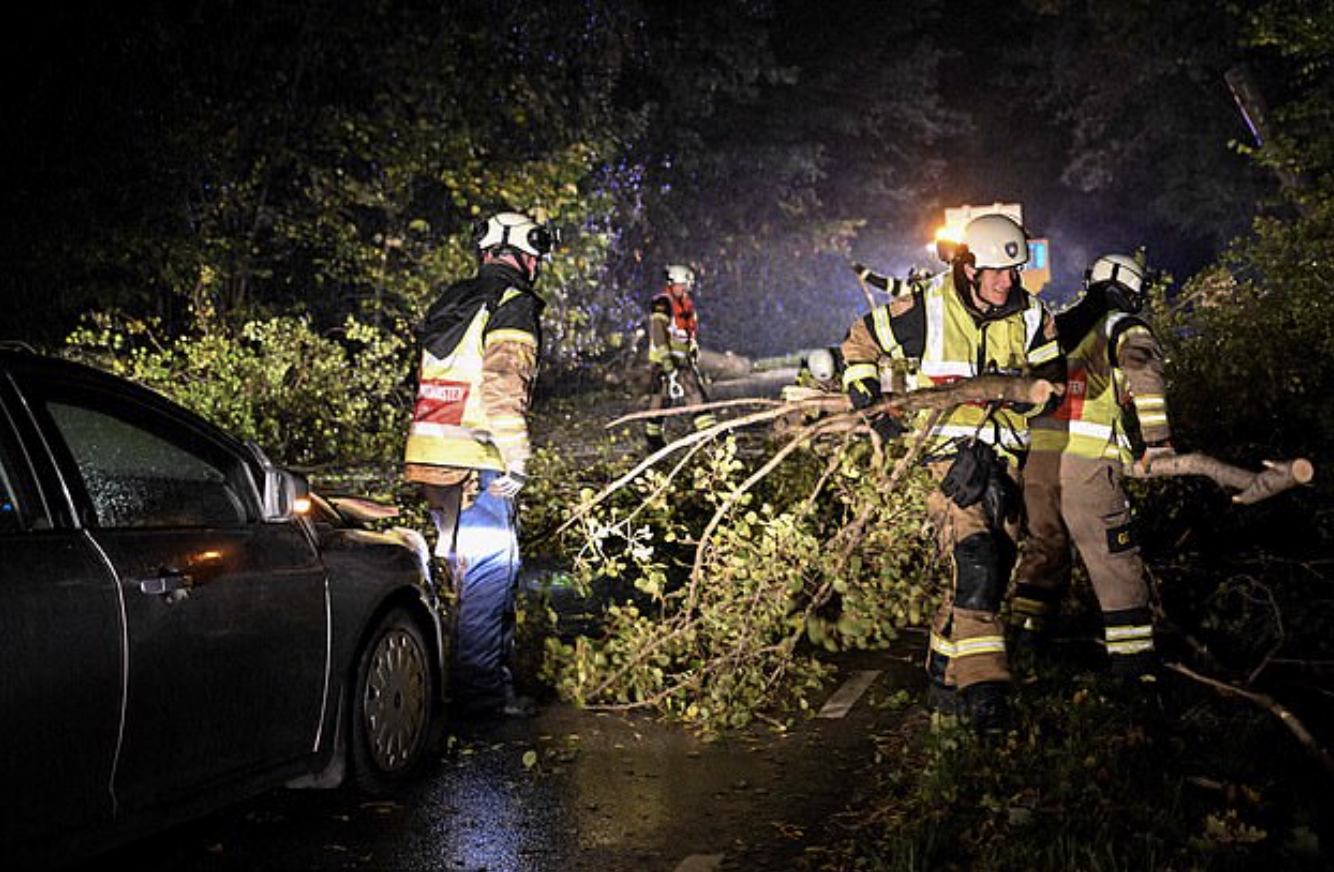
x: 701, y: 863
x: 851, y: 691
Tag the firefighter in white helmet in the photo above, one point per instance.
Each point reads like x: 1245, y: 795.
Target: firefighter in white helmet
x: 973, y: 319
x: 673, y: 353
x: 822, y: 369
x: 468, y: 445
x: 1073, y: 491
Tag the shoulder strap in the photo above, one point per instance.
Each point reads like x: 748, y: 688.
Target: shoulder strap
x: 1116, y: 327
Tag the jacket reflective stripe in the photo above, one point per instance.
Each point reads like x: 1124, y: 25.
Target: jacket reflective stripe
x: 425, y: 428
x: 1015, y: 441
x: 1151, y: 409
x: 522, y: 336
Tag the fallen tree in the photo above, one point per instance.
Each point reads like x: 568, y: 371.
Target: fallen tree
x: 755, y: 554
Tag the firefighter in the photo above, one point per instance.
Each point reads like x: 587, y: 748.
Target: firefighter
x: 822, y: 370
x: 468, y: 446
x: 673, y: 353
x: 972, y: 319
x: 1073, y: 492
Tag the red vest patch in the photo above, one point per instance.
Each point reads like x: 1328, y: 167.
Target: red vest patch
x: 440, y: 402
x: 1076, y: 388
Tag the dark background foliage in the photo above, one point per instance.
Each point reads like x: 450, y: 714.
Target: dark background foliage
x: 303, y: 151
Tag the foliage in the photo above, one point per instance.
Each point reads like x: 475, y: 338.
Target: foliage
x: 309, y: 399
x: 1227, y: 363
x: 1251, y: 370
x: 1094, y: 775
x: 327, y: 161
x: 1302, y: 33
x: 720, y: 630
x: 1139, y: 91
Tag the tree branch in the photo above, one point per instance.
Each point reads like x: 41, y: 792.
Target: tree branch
x: 1285, y: 716
x: 1276, y: 477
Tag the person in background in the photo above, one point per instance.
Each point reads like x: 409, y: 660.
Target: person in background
x: 468, y: 446
x: 822, y: 369
x: 673, y: 353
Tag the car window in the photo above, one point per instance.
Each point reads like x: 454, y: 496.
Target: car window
x: 136, y: 478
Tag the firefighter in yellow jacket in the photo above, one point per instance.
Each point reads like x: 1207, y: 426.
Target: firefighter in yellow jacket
x: 673, y: 352
x: 468, y: 446
x: 972, y: 319
x: 1073, y: 491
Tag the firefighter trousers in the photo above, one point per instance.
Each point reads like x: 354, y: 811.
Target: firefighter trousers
x: 1081, y: 502
x: 692, y: 394
x: 481, y: 544
x: 967, y: 644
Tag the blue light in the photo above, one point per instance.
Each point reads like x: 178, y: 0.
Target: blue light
x: 1037, y: 253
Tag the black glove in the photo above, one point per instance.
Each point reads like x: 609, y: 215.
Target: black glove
x: 860, y: 269
x: 887, y: 427
x: 863, y: 393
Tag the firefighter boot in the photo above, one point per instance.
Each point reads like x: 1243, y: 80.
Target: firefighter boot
x: 1028, y: 649
x: 986, y: 706
x: 941, y: 698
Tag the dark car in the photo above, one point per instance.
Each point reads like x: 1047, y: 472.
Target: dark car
x: 178, y: 630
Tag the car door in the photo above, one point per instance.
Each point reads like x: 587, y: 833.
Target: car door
x: 61, y: 650
x: 226, y: 616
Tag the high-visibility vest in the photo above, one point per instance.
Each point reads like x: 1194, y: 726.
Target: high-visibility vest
x: 450, y: 425
x: 676, y: 315
x: 1090, y: 420
x: 958, y: 347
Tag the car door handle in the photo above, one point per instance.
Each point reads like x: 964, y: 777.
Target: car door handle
x: 170, y: 582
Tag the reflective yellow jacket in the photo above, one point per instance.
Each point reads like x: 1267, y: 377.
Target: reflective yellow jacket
x: 1115, y: 365
x: 946, y: 340
x: 480, y: 349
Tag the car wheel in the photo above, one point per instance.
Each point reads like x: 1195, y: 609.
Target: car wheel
x: 392, y: 705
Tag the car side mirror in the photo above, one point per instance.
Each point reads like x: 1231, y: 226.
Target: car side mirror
x: 284, y: 494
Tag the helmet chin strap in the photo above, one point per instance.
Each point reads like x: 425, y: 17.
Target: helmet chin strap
x: 525, y: 263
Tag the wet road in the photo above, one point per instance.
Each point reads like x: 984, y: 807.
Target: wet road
x: 574, y: 790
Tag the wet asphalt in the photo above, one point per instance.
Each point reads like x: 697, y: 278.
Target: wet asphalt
x: 575, y: 790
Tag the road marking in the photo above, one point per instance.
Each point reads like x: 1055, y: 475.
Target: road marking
x: 701, y: 863
x: 851, y: 691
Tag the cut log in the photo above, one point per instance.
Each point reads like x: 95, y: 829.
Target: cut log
x: 1251, y: 487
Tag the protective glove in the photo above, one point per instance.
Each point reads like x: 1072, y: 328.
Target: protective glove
x: 509, y: 484
x: 1154, y: 452
x: 863, y: 393
x: 887, y: 427
x: 860, y: 269
x: 674, y: 389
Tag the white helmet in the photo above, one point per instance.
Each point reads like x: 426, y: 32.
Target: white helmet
x: 821, y: 364
x: 676, y: 274
x: 1124, y: 277
x: 994, y: 242
x: 516, y: 231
